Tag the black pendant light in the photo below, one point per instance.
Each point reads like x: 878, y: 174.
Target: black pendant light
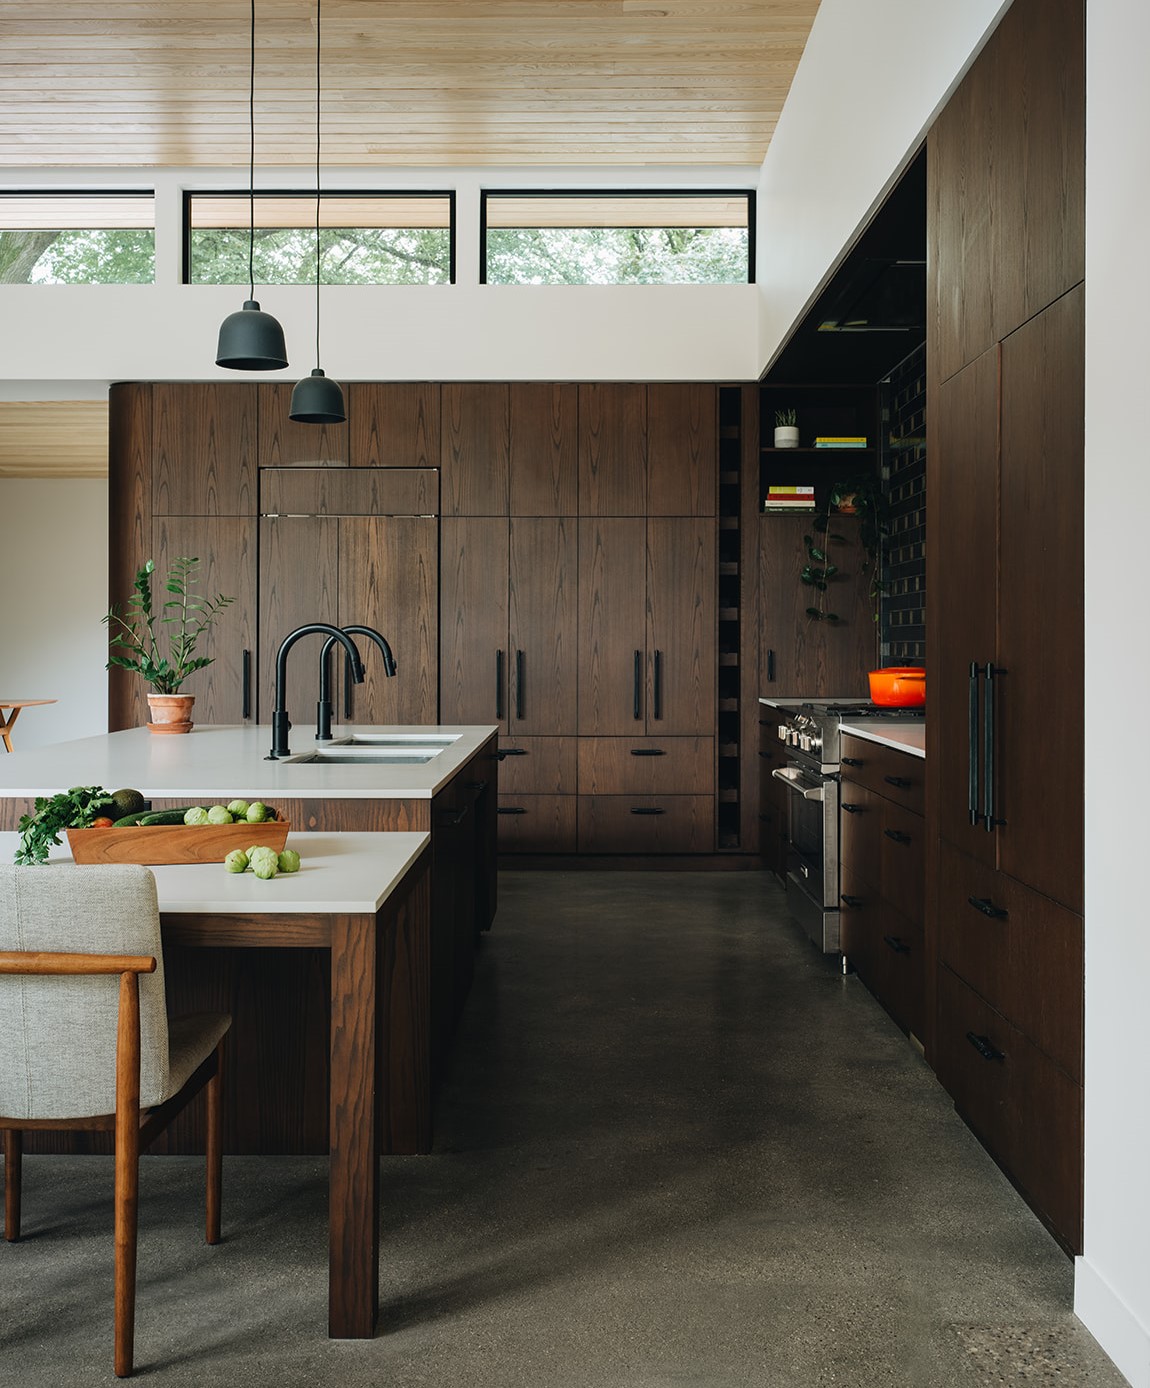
x: 251, y: 340
x: 317, y: 399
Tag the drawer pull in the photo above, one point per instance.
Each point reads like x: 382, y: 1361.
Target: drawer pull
x: 854, y: 902
x: 647, y: 752
x: 987, y: 907
x: 511, y: 752
x: 899, y: 782
x: 896, y: 944
x: 511, y: 809
x: 850, y: 761
x: 476, y: 786
x: 983, y: 1046
x: 897, y: 836
x: 648, y: 811
x: 853, y: 809
x: 453, y: 817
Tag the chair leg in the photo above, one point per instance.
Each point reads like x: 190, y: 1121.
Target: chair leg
x: 214, y: 1148
x: 127, y: 1173
x: 13, y: 1154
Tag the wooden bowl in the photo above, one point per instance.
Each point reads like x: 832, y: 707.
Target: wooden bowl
x: 173, y: 843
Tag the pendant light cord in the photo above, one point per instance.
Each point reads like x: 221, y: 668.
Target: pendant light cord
x: 318, y: 3
x: 252, y: 159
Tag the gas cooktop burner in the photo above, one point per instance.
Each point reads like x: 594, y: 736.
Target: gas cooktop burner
x: 860, y: 709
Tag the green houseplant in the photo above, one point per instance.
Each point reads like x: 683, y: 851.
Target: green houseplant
x: 859, y: 496
x: 160, y: 645
x: 786, y: 429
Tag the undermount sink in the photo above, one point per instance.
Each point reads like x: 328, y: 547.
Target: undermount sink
x: 429, y: 741
x: 346, y: 754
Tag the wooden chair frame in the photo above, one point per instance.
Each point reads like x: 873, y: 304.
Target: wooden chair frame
x: 134, y: 1128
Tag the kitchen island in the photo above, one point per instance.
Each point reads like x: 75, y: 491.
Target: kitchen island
x: 281, y: 1105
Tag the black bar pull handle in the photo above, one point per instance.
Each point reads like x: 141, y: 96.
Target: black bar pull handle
x: 450, y: 817
x: 637, y: 685
x: 477, y: 786
x: 987, y: 907
x: 893, y: 942
x: 647, y: 752
x: 988, y: 731
x: 770, y: 667
x: 519, y: 684
x: 505, y: 752
x: 645, y: 810
x: 853, y: 809
x: 899, y: 782
x: 511, y: 809
x: 850, y: 761
x: 246, y: 666
x: 897, y: 835
x: 499, y: 684
x: 972, y: 745
x: 983, y: 1045
x: 658, y: 684
x: 854, y: 902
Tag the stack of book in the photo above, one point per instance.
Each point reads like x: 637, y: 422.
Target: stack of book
x: 790, y: 499
x: 840, y: 441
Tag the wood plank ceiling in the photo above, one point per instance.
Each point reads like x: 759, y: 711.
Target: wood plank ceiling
x: 156, y: 83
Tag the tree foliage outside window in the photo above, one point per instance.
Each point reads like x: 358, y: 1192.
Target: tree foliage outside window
x: 617, y: 255
x: 102, y: 255
x: 348, y: 255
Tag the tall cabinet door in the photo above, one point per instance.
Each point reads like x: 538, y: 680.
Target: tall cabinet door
x: 475, y: 467
x: 473, y: 654
x: 682, y: 450
x: 544, y: 449
x: 389, y: 580
x: 612, y: 450
x: 299, y: 583
x: 543, y: 626
x: 203, y: 449
x: 682, y: 660
x: 612, y: 625
x: 1040, y: 705
x: 963, y: 480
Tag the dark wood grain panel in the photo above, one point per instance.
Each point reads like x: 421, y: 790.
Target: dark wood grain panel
x: 1040, y: 707
x: 682, y: 625
x: 204, y: 436
x: 394, y: 424
x: 885, y: 949
x: 389, y: 580
x: 962, y: 475
x: 543, y: 602
x: 898, y: 776
x: 682, y: 450
x: 537, y: 765
x: 344, y: 814
x: 404, y: 1061
x: 475, y: 464
x: 860, y: 842
x: 813, y: 658
x: 903, y: 852
x: 612, y: 624
x: 612, y: 450
x: 646, y: 824
x: 473, y: 650
x: 771, y: 806
x: 299, y: 583
x: 544, y: 449
x: 1027, y: 962
x: 646, y: 765
x: 226, y: 549
x: 129, y: 527
x: 537, y: 823
x: 285, y: 443
x: 1039, y: 160
x: 1026, y: 1110
x: 392, y: 491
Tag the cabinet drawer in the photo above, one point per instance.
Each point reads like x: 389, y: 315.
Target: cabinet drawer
x: 1019, y: 950
x: 536, y: 823
x: 646, y: 824
x: 537, y: 765
x: 896, y: 775
x: 886, y: 950
x: 903, y: 859
x: 349, y: 491
x: 860, y: 834
x: 1027, y: 1111
x: 646, y: 765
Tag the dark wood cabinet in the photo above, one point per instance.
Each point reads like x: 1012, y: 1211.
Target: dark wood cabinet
x: 772, y: 805
x: 682, y: 450
x: 544, y: 449
x: 393, y: 424
x: 475, y: 459
x: 203, y: 450
x: 284, y: 443
x: 612, y: 450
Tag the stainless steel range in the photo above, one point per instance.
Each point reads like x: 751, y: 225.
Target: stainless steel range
x: 812, y: 734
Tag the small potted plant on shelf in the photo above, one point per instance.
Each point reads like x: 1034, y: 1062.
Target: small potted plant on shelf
x: 863, y: 497
x: 138, y: 636
x: 786, y: 429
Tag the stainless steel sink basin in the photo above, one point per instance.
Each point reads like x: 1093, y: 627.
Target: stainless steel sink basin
x: 348, y: 755
x: 435, y: 741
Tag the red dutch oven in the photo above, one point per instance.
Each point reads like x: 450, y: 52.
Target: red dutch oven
x: 898, y: 686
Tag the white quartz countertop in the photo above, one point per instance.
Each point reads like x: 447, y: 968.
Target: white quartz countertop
x: 346, y: 873
x: 907, y: 737
x: 216, y: 763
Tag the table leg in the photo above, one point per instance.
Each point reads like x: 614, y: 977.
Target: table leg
x: 6, y: 728
x: 353, y: 1202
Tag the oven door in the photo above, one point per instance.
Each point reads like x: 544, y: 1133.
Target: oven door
x: 813, y: 851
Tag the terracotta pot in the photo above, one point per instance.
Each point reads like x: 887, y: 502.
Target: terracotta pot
x: 171, y: 713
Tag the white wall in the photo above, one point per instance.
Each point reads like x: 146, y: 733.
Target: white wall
x: 1112, y: 1286
x: 871, y: 80
x: 53, y: 575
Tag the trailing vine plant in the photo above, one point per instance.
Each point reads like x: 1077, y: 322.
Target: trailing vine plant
x: 862, y: 497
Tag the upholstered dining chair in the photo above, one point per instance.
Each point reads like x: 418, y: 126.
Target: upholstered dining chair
x: 86, y: 1042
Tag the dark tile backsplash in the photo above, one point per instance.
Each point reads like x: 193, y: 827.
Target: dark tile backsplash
x: 902, y: 618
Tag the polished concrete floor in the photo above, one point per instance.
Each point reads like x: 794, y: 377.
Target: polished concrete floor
x: 676, y: 1150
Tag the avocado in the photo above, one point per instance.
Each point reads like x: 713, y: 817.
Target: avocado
x: 128, y: 801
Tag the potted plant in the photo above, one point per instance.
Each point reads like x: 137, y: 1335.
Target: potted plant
x: 160, y: 646
x: 862, y: 497
x: 786, y: 429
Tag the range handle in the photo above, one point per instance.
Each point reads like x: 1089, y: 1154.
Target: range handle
x: 797, y: 781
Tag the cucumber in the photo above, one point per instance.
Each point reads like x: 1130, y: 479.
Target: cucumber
x: 130, y: 819
x: 175, y: 816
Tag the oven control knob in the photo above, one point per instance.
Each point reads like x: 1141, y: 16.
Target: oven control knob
x: 804, y: 742
x: 784, y: 733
